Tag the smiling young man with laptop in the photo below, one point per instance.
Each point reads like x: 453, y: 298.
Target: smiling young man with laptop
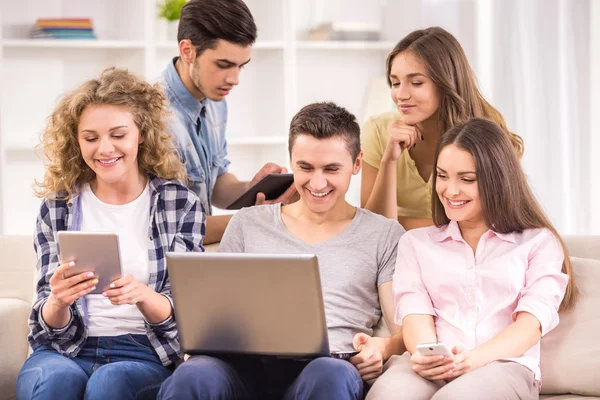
x: 356, y: 252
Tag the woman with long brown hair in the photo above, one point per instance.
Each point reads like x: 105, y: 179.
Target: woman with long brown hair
x: 434, y: 88
x: 488, y: 280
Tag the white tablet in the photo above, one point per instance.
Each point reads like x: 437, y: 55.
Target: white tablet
x: 92, y: 251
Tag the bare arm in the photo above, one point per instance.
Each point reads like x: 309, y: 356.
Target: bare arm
x: 513, y: 341
x: 395, y: 344
x: 227, y: 189
x: 379, y: 189
x: 418, y: 328
x: 56, y: 317
x: 65, y: 291
x: 215, y: 227
x: 375, y: 351
x: 155, y: 307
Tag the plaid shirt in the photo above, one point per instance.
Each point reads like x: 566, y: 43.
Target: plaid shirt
x: 177, y: 223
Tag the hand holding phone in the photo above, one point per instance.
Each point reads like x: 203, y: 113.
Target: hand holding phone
x: 272, y: 186
x: 343, y: 355
x: 433, y: 361
x: 432, y: 349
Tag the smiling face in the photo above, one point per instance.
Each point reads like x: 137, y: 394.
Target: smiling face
x: 216, y: 71
x: 109, y: 139
x: 456, y: 185
x: 413, y: 92
x: 322, y: 171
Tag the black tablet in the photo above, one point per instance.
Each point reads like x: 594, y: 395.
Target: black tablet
x: 272, y: 185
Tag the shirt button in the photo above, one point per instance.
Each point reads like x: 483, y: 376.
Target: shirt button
x: 470, y: 267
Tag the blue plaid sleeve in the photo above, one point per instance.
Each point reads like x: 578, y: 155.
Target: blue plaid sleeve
x: 66, y: 340
x: 191, y: 224
x: 181, y: 226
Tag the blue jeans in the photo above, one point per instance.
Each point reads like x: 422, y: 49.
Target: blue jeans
x: 204, y: 377
x: 108, y: 367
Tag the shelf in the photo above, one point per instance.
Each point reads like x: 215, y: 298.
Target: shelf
x: 72, y: 44
x: 343, y: 45
x: 257, y: 140
x: 259, y: 45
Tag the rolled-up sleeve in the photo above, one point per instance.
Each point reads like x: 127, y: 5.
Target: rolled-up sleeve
x: 410, y: 294
x: 545, y: 283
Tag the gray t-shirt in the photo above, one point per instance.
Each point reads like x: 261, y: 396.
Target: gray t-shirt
x: 352, y: 264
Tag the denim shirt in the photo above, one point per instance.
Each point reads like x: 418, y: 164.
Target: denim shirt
x: 200, y: 130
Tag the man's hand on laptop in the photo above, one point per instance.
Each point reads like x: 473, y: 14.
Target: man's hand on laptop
x: 289, y: 196
x: 369, y: 362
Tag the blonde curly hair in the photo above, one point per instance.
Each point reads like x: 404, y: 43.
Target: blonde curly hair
x: 67, y: 171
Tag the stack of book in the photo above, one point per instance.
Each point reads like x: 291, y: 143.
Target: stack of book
x: 62, y: 28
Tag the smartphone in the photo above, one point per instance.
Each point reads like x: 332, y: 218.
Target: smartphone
x: 433, y: 349
x: 272, y: 185
x: 343, y: 355
x: 92, y: 251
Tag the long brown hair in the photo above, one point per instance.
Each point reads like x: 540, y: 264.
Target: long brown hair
x: 447, y: 66
x: 507, y: 202
x: 157, y: 155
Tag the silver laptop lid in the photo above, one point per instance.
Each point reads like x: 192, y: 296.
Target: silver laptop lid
x: 263, y: 304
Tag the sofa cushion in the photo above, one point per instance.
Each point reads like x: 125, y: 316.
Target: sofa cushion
x: 13, y: 314
x: 17, y: 273
x: 570, y: 352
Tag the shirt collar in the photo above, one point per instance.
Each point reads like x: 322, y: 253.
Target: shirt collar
x: 189, y: 104
x: 449, y: 231
x: 453, y: 231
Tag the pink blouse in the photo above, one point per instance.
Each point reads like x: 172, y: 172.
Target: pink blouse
x: 473, y: 297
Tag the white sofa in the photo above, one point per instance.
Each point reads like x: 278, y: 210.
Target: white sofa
x: 570, y: 353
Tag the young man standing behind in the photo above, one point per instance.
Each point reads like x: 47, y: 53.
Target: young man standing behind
x: 215, y: 42
x: 356, y: 250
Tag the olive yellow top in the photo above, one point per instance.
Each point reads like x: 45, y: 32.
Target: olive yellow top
x: 413, y: 193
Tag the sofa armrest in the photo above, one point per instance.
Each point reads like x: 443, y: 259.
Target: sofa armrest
x: 13, y: 343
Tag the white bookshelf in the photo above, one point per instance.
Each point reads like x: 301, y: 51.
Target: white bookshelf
x: 345, y: 45
x: 73, y: 44
x: 259, y: 45
x: 287, y: 71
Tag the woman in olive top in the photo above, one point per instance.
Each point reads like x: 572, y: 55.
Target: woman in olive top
x: 434, y: 89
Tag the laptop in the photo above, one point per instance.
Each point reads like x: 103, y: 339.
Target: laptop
x: 253, y: 304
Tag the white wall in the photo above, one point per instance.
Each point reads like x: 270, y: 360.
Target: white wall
x: 286, y: 73
x: 594, y: 147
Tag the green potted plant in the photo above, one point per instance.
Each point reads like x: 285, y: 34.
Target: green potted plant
x: 168, y: 12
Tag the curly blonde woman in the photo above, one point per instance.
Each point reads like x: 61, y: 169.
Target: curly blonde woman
x: 111, y: 167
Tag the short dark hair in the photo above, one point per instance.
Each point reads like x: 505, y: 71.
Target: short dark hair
x: 326, y: 120
x: 204, y: 22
